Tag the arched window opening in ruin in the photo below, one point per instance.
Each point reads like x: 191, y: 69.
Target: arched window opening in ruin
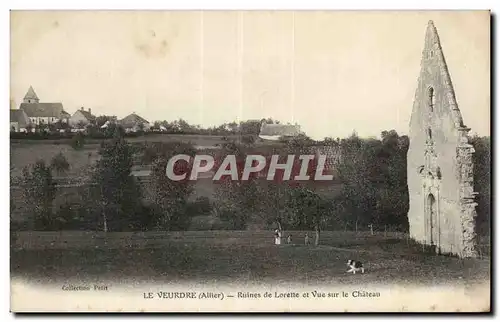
x: 429, y: 134
x: 432, y: 99
x: 431, y: 54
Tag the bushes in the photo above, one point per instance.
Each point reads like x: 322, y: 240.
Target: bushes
x: 200, y: 207
x: 59, y: 163
x: 96, y: 134
x: 374, y: 190
x: 77, y: 141
x: 41, y: 136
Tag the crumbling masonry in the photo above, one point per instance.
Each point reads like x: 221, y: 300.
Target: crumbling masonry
x: 440, y: 169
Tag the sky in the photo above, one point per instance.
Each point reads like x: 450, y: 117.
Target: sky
x: 332, y: 72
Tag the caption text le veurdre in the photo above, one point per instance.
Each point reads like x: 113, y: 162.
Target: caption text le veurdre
x: 260, y: 295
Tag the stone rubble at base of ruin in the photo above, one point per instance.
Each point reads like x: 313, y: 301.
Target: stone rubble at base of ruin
x: 433, y: 213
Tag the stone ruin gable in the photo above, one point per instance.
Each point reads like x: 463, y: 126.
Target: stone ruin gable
x: 440, y: 169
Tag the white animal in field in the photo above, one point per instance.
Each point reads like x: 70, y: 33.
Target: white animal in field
x: 355, y: 266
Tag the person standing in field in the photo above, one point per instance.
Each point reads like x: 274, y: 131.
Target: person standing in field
x: 277, y: 239
x: 289, y: 239
x: 306, y: 239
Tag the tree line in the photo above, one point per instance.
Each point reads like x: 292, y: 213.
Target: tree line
x: 373, y: 190
x: 61, y: 130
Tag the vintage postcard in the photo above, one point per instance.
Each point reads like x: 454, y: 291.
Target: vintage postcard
x: 250, y: 161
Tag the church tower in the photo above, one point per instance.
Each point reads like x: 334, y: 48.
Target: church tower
x: 440, y: 169
x: 31, y: 96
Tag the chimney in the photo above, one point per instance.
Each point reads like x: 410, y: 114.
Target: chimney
x: 90, y: 110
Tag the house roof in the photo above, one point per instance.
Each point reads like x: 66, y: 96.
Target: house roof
x: 20, y: 117
x: 132, y: 120
x: 279, y: 130
x: 87, y: 115
x: 30, y: 94
x: 43, y: 109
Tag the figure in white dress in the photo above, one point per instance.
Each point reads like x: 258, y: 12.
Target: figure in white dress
x: 277, y: 237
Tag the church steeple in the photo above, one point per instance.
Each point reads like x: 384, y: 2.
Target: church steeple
x: 31, y: 96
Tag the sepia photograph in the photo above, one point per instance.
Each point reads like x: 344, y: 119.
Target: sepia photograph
x: 250, y: 161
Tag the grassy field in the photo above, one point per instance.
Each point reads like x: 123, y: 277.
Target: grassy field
x: 236, y: 257
x: 26, y: 152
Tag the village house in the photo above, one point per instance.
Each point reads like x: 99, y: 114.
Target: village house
x: 134, y: 123
x: 42, y: 113
x: 19, y: 121
x: 82, y: 117
x: 276, y: 132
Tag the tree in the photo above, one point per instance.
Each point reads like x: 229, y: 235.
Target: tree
x: 250, y: 127
x: 200, y: 207
x: 154, y: 150
x: 354, y: 172
x: 59, y: 163
x: 92, y: 130
x: 248, y: 139
x: 180, y: 126
x: 78, y: 141
x: 236, y: 200
x: 111, y: 130
x: 168, y: 198
x: 117, y: 192
x: 232, y: 126
x: 373, y: 174
x: 156, y: 126
x: 39, y: 193
x: 101, y: 120
x: 81, y: 125
x: 330, y: 141
x: 60, y: 125
x: 269, y: 121
x: 42, y: 127
x: 275, y: 201
x: 308, y: 209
